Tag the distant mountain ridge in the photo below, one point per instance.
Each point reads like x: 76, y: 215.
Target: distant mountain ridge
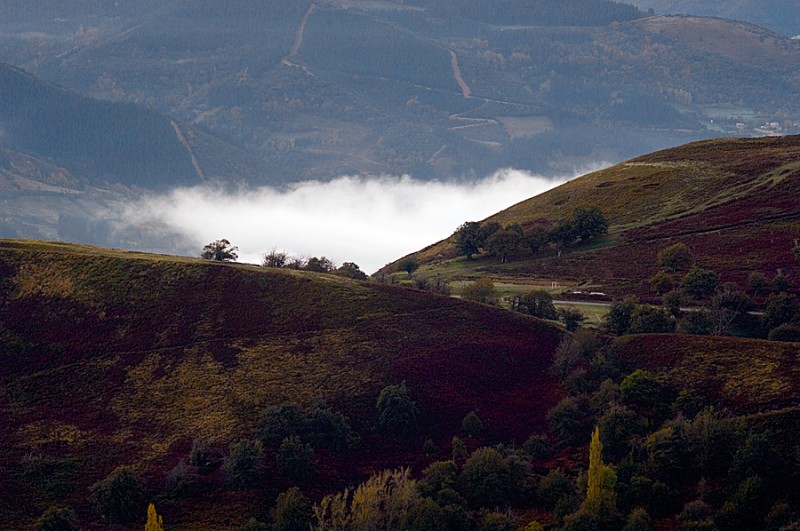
x: 371, y: 87
x: 782, y: 16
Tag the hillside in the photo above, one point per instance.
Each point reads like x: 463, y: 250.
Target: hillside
x: 733, y: 202
x: 113, y: 358
x: 782, y: 16
x: 437, y: 89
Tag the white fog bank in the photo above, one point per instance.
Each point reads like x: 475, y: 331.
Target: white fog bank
x: 367, y: 220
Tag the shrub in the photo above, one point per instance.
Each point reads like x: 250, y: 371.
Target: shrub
x: 676, y: 257
x: 482, y: 290
x: 661, y: 283
x: 437, y: 477
x: 295, y: 459
x: 242, y: 464
x: 757, y: 283
x: 57, y: 519
x: 472, y: 425
x: 789, y: 332
x: 638, y: 520
x: 571, y: 317
x: 698, y: 323
x: 571, y: 420
x: 486, y: 478
x: 620, y: 316
x: 119, y: 498
x: 781, y: 308
x: 650, y: 320
x: 293, y: 511
x: 700, y: 283
x: 538, y: 303
x: 495, y: 521
x: 397, y: 413
x: 538, y: 446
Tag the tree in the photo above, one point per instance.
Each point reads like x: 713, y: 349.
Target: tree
x: 397, y: 413
x: 221, y: 251
x: 757, y: 283
x: 409, y: 266
x: 661, y: 283
x: 594, y: 484
x: 536, y: 238
x: 619, y: 318
x: 242, y: 464
x: 471, y: 425
x: 57, y: 519
x: 651, y: 320
x: 154, y: 521
x: 351, y: 270
x: 468, y: 239
x: 486, y: 478
x: 275, y: 258
x: 505, y: 242
x: 295, y: 458
x: 562, y: 235
x: 588, y: 222
x: 780, y: 309
x: 319, y: 265
x: 538, y: 303
x: 482, y: 290
x: 700, y: 283
x: 119, y: 498
x: 676, y: 257
x: 293, y: 511
x: 571, y: 317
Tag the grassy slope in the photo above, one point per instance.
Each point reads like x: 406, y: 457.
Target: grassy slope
x: 113, y: 358
x: 734, y: 202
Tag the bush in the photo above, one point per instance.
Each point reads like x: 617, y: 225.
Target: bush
x: 397, y: 413
x: 538, y: 303
x: 242, y: 464
x: 661, y: 283
x: 788, y: 332
x: 119, y: 498
x: 295, y: 459
x: 698, y: 323
x: 553, y: 487
x: 638, y: 520
x: 780, y: 309
x: 700, y: 283
x: 293, y: 511
x: 472, y: 425
x: 620, y: 316
x: 757, y: 283
x: 57, y: 519
x: 482, y: 290
x: 538, y: 446
x: 571, y: 420
x: 676, y: 257
x: 650, y: 320
x: 486, y: 479
x: 571, y: 317
x: 495, y: 521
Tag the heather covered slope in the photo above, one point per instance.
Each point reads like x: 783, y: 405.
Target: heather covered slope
x: 112, y: 358
x: 733, y: 202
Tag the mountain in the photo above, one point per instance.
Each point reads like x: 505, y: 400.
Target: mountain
x: 782, y: 16
x: 66, y: 159
x: 731, y: 201
x: 438, y: 89
x: 115, y: 358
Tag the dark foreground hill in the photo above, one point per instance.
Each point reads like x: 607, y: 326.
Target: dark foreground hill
x: 112, y: 358
x: 732, y: 202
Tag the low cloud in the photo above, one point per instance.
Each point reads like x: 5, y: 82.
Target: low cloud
x: 367, y: 220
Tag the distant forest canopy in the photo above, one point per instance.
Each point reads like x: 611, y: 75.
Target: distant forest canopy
x: 97, y: 137
x: 536, y: 12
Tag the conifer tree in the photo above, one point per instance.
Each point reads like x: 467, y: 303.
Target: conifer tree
x: 595, y: 482
x: 154, y: 521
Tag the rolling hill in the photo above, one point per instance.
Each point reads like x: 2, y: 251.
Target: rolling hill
x: 732, y: 201
x: 114, y: 358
